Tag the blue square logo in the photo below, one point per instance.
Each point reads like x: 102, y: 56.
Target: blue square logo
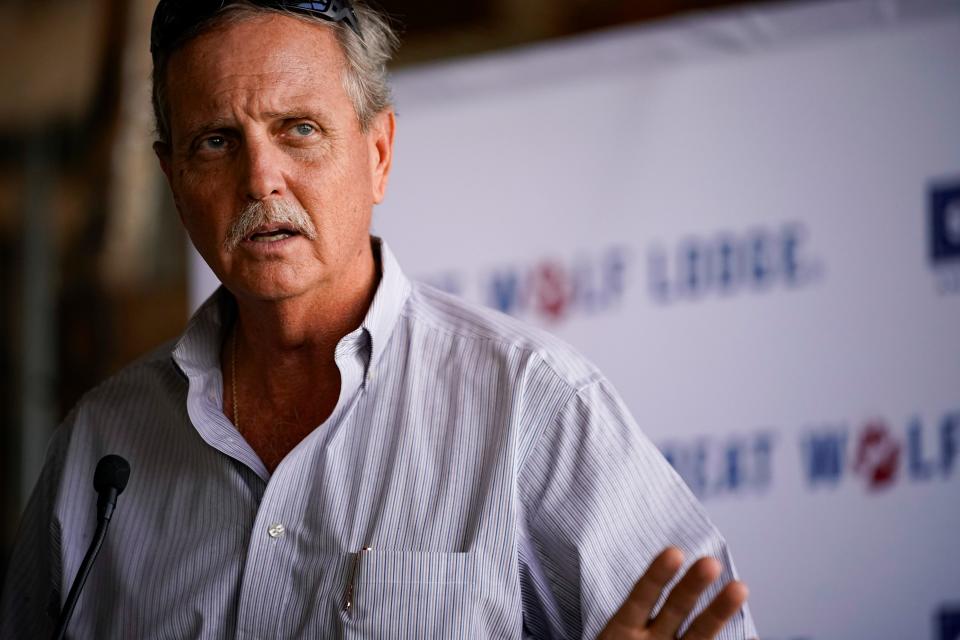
x: 948, y: 623
x: 945, y: 223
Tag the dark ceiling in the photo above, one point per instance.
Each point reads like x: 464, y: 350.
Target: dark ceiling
x: 432, y: 30
x: 421, y: 17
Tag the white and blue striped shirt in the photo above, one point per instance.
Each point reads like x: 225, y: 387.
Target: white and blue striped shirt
x: 499, y: 482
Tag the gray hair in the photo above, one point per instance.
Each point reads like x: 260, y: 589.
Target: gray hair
x: 364, y: 77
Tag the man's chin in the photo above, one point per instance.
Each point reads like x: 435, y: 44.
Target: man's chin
x: 276, y: 288
x: 273, y: 293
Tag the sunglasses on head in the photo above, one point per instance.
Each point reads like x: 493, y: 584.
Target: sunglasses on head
x: 173, y: 19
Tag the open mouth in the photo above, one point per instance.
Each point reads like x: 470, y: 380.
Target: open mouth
x: 275, y: 234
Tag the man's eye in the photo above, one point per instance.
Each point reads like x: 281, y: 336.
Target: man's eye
x: 214, y: 142
x: 304, y: 129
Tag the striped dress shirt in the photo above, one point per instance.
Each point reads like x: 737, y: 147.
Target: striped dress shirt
x: 477, y: 479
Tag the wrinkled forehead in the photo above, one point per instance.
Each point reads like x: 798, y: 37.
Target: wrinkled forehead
x: 255, y: 62
x: 263, y: 41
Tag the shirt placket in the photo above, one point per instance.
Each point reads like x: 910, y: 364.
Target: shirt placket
x: 266, y: 578
x: 267, y: 584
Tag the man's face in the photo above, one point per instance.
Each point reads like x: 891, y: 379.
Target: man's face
x: 258, y: 112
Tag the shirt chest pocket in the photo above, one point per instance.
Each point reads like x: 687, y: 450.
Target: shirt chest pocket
x: 405, y: 594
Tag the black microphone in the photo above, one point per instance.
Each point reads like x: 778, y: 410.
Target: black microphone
x: 110, y: 479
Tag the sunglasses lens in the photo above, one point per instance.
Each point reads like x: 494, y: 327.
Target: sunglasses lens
x: 308, y: 6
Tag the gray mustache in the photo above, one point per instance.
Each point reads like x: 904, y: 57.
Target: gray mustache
x: 264, y: 212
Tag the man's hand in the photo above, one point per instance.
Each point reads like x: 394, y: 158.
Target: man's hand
x: 634, y: 622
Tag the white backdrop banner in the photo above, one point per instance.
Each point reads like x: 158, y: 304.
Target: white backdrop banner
x: 751, y: 222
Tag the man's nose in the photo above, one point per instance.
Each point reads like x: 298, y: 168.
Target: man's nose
x: 264, y: 170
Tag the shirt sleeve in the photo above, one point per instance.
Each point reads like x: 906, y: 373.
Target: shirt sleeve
x: 30, y: 602
x: 600, y: 503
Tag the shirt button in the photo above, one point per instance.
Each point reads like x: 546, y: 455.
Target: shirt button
x: 370, y: 375
x: 276, y: 530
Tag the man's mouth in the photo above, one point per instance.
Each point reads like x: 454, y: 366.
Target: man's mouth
x: 274, y: 234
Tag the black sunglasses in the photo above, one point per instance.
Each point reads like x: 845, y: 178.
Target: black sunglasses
x: 174, y: 19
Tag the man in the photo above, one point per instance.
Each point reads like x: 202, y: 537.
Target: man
x: 469, y: 477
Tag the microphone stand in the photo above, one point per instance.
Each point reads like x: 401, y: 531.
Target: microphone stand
x: 81, y: 578
x: 109, y: 480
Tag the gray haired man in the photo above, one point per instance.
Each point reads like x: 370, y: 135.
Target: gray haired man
x: 331, y: 450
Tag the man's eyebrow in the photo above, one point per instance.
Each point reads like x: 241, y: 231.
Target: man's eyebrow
x: 287, y: 114
x: 282, y: 115
x: 230, y: 123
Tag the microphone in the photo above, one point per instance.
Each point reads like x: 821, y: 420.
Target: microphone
x: 109, y: 479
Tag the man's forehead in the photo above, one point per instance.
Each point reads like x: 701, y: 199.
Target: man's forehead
x: 262, y: 64
x: 261, y: 43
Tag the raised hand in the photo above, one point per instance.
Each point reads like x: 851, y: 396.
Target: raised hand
x: 633, y: 620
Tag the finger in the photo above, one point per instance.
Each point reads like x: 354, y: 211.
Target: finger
x: 727, y: 603
x: 684, y: 596
x: 636, y: 609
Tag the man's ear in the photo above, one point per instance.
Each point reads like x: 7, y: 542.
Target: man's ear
x: 380, y: 135
x: 163, y: 152
x: 162, y: 149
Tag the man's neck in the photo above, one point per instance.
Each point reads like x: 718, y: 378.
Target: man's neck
x: 302, y: 332
x: 280, y: 375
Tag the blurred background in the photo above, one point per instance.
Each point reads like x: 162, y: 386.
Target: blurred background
x: 96, y: 270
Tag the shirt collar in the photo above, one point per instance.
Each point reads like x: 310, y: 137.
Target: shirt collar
x: 388, y: 301
x: 198, y: 350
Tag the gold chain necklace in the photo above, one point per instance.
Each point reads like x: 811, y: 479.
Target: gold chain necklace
x: 233, y: 376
